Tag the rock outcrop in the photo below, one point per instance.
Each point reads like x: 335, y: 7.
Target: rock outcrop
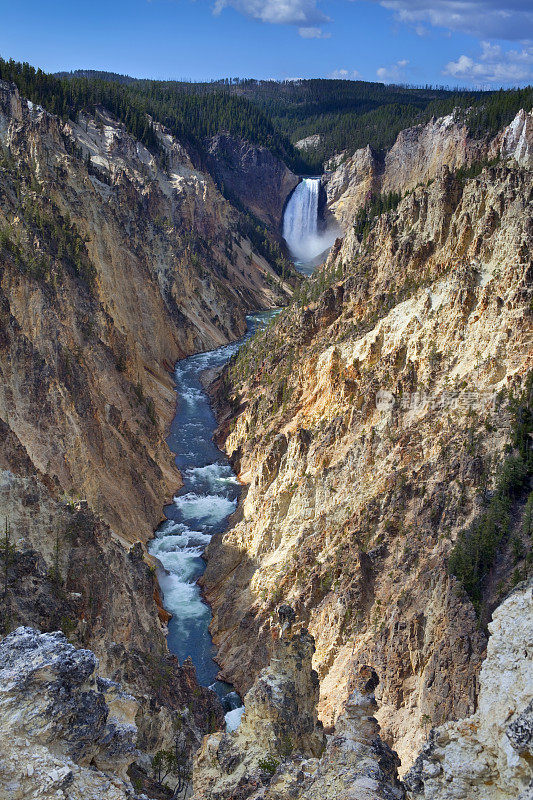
x: 280, y: 750
x: 280, y: 719
x: 490, y: 754
x: 369, y: 426
x: 253, y: 176
x: 356, y: 763
x: 417, y: 156
x: 516, y: 140
x: 309, y: 143
x: 352, y: 183
x: 65, y: 733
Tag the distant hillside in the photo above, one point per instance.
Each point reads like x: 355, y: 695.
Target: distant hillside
x: 353, y: 114
x: 346, y: 114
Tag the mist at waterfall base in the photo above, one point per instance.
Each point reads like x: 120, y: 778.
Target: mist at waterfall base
x: 307, y: 244
x: 200, y: 509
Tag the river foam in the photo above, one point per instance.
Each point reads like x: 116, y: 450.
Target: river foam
x: 208, y: 510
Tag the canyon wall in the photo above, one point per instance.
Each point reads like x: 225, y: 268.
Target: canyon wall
x: 253, y: 176
x: 489, y: 754
x: 370, y: 426
x: 69, y: 733
x: 280, y: 750
x: 416, y: 157
x: 156, y: 272
x: 115, y: 262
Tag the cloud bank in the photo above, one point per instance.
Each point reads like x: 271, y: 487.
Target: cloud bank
x: 345, y: 74
x: 510, y: 20
x: 303, y: 13
x: 313, y: 33
x: 393, y: 73
x: 505, y: 20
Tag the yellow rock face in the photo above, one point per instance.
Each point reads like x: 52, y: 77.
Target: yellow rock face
x: 372, y: 422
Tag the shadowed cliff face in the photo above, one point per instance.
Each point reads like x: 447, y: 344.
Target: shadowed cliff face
x: 253, y: 176
x: 369, y: 425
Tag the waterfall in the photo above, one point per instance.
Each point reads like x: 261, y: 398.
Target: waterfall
x: 300, y: 223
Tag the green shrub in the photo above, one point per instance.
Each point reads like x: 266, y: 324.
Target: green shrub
x: 476, y: 168
x: 377, y: 204
x: 269, y: 764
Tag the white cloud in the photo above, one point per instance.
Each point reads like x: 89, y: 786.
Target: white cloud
x: 313, y: 33
x: 502, y: 19
x: 493, y: 66
x: 510, y: 20
x: 303, y: 13
x: 345, y: 74
x: 393, y: 73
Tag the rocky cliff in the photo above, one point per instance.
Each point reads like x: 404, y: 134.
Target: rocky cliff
x: 489, y: 755
x: 115, y: 262
x: 417, y: 156
x: 68, y: 733
x: 65, y: 733
x: 280, y: 749
x: 371, y: 425
x: 252, y: 175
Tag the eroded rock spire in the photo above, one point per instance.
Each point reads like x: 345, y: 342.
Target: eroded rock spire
x: 281, y: 751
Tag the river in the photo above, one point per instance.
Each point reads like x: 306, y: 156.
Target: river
x: 210, y: 490
x: 199, y: 510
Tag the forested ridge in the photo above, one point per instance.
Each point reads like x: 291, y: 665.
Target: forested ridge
x: 190, y: 116
x: 274, y: 114
x: 352, y: 114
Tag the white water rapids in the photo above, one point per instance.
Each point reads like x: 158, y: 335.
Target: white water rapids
x: 300, y: 223
x: 199, y: 510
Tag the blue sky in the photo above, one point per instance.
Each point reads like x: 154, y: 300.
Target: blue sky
x: 445, y: 42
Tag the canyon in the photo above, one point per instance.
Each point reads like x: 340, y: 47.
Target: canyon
x: 115, y: 264
x: 369, y: 424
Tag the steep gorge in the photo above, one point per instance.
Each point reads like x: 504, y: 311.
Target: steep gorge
x: 115, y: 263
x: 169, y: 276
x: 369, y: 426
